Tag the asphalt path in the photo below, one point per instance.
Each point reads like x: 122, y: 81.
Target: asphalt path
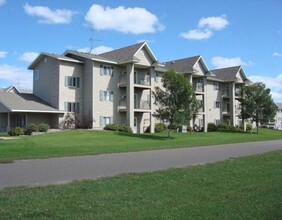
x: 67, y: 169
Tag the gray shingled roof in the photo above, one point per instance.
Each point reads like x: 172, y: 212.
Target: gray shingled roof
x: 24, y: 102
x: 123, y: 54
x: 279, y: 105
x: 182, y: 65
x: 226, y: 74
x: 55, y: 56
x: 90, y: 56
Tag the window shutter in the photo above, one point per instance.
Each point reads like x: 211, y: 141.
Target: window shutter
x: 101, y: 121
x: 112, y: 96
x: 101, y: 69
x: 101, y: 95
x: 77, y: 107
x: 112, y: 71
x: 77, y: 82
x: 66, y: 106
x: 66, y: 81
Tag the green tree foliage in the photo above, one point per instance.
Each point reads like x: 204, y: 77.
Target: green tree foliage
x: 257, y: 104
x: 174, y: 100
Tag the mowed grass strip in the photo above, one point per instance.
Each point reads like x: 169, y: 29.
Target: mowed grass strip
x: 242, y: 188
x: 86, y: 142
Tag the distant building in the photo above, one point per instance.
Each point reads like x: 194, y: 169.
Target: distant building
x: 278, y: 117
x: 116, y: 87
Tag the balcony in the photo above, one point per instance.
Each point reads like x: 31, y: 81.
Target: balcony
x: 122, y: 81
x: 225, y: 94
x: 142, y: 105
x: 225, y: 111
x: 142, y: 82
x: 199, y: 87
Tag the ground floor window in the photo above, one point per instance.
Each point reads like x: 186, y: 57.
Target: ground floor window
x: 105, y: 120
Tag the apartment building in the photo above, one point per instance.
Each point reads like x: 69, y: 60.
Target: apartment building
x: 278, y: 117
x: 117, y: 86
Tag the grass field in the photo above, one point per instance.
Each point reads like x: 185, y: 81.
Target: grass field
x: 244, y: 188
x: 83, y: 142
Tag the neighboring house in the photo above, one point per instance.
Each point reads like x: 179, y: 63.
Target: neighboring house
x: 21, y: 109
x: 278, y: 117
x: 117, y: 86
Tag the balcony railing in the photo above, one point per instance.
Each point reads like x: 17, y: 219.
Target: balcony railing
x: 226, y: 93
x: 199, y: 87
x: 143, y: 82
x: 142, y: 104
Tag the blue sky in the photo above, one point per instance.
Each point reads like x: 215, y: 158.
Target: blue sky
x: 224, y: 32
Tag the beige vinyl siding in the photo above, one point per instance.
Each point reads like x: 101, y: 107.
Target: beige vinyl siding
x: 47, y: 85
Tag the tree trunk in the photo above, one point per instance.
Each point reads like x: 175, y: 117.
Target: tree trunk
x: 257, y: 124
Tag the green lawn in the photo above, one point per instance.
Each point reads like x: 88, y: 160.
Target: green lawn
x: 83, y: 142
x: 244, y: 188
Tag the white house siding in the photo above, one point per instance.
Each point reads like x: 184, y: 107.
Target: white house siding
x: 47, y: 86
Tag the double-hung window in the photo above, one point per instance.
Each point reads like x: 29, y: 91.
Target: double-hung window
x: 217, y: 104
x: 106, y: 70
x: 35, y: 74
x: 104, y: 120
x: 216, y: 86
x: 106, y: 95
x: 72, y: 107
x: 72, y: 82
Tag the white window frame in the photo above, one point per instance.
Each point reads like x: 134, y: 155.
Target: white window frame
x: 216, y: 86
x: 72, y: 107
x: 106, y: 95
x: 217, y: 104
x: 106, y: 70
x: 35, y: 75
x: 104, y: 120
x: 72, y: 82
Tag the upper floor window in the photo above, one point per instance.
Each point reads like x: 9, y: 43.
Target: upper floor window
x: 216, y: 86
x: 106, y: 95
x: 72, y: 107
x: 217, y: 104
x: 106, y: 70
x: 35, y: 74
x: 157, y: 78
x: 72, y: 81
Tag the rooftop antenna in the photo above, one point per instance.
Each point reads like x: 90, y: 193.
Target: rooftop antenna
x: 92, y: 39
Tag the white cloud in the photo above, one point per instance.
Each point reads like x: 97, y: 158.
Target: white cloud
x: 206, y: 28
x: 274, y: 83
x: 48, y: 16
x: 14, y: 75
x: 214, y: 23
x: 222, y: 62
x: 276, y: 54
x: 126, y: 20
x: 197, y: 34
x: 2, y: 2
x: 3, y: 54
x: 28, y: 56
x: 96, y: 50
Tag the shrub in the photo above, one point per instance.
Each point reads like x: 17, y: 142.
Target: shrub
x: 160, y: 127
x: 125, y: 128
x: 43, y: 127
x: 223, y: 126
x: 84, y: 121
x: 174, y: 126
x: 212, y: 127
x: 112, y: 127
x: 16, y: 131
x: 31, y: 128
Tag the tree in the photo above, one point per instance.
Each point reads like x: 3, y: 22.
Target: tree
x: 172, y: 102
x: 194, y: 109
x: 257, y: 104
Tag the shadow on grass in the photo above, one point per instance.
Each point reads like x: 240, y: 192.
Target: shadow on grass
x: 235, y: 131
x: 145, y: 136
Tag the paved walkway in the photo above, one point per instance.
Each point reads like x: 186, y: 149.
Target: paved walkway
x: 66, y: 169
